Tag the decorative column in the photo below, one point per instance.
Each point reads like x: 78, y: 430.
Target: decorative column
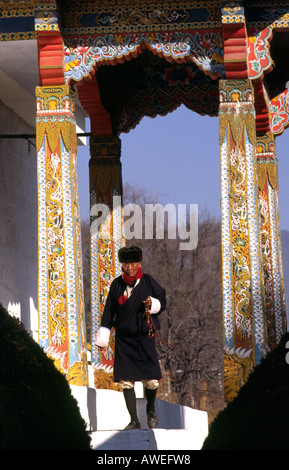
x: 245, y: 340
x: 106, y: 233
x: 267, y: 171
x: 61, y: 306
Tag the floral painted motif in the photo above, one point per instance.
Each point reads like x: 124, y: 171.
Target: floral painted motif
x: 259, y: 58
x: 244, y: 329
x: 279, y: 113
x: 105, y: 188
x: 61, y: 307
x: 204, y: 48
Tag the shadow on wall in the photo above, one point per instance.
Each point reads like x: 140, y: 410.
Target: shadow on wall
x: 19, y: 221
x: 27, y: 313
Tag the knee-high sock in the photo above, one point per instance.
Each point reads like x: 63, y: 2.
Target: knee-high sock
x: 150, y: 396
x: 130, y: 400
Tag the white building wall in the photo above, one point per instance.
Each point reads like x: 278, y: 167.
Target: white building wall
x: 18, y: 221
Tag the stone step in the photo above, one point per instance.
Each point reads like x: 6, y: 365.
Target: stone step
x: 112, y: 414
x: 148, y: 439
x: 179, y: 427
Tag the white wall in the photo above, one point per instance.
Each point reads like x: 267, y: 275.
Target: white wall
x: 18, y: 221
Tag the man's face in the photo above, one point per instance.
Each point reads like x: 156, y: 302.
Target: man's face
x: 131, y: 268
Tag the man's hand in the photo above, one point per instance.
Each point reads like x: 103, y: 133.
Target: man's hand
x: 148, y: 303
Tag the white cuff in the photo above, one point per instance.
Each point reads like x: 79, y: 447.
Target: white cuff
x: 156, y: 306
x: 102, y: 337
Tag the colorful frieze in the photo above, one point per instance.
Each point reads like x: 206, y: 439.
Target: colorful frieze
x: 243, y: 290
x: 233, y: 13
x: 102, y: 33
x: 17, y: 21
x: 106, y: 240
x: 139, y: 16
x: 202, y: 47
x: 108, y: 33
x: 61, y: 305
x: 260, y: 13
x: 22, y: 20
x: 85, y: 17
x: 46, y: 17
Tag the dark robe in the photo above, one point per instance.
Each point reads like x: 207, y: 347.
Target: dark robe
x: 135, y: 352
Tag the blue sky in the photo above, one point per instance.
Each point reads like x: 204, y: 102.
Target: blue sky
x: 177, y: 157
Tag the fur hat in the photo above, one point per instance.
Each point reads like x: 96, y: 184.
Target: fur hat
x: 131, y: 254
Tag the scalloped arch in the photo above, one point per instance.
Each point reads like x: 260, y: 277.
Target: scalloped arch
x: 204, y: 48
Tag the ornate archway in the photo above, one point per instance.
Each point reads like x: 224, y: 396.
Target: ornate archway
x: 128, y: 59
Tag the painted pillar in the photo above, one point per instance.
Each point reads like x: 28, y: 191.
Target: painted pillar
x: 267, y: 171
x: 245, y: 340
x: 106, y: 239
x: 61, y: 305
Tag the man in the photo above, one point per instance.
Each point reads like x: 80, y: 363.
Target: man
x: 135, y: 351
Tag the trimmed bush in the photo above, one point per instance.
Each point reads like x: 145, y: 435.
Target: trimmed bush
x: 258, y: 418
x: 37, y: 409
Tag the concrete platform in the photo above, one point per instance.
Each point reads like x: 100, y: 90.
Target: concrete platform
x: 112, y: 414
x: 148, y: 439
x: 105, y: 412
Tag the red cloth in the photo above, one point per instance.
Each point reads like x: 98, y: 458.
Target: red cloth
x: 122, y: 299
x: 130, y: 280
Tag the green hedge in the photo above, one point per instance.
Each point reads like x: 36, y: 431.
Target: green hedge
x: 258, y: 418
x: 37, y: 409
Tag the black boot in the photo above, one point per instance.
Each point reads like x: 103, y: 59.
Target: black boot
x: 150, y: 409
x: 130, y: 400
